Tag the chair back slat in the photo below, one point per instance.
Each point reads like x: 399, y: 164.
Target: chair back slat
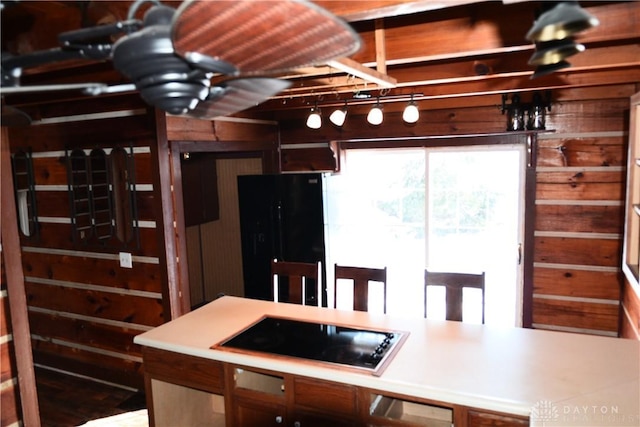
x: 297, y: 274
x: 361, y: 276
x: 454, y: 284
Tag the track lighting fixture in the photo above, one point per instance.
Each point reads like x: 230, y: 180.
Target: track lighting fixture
x: 411, y: 114
x: 375, y: 115
x: 339, y: 115
x: 314, y: 121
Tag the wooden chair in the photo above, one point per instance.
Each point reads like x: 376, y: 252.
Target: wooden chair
x: 454, y: 284
x: 361, y: 277
x: 297, y: 275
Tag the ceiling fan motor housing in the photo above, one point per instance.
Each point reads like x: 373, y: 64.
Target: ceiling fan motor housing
x: 148, y: 58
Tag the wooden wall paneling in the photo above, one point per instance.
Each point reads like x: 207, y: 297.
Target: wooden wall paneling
x: 73, y: 267
x: 85, y: 308
x: 590, y: 151
x: 576, y: 315
x: 579, y: 217
x: 11, y: 256
x: 98, y: 304
x: 603, y: 252
x: 581, y: 184
x: 221, y: 129
x: 592, y: 283
x: 65, y: 327
x: 117, y: 369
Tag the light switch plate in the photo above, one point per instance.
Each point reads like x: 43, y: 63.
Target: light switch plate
x: 125, y: 260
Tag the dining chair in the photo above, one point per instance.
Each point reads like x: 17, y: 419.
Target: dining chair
x: 296, y: 282
x: 454, y: 284
x: 360, y: 276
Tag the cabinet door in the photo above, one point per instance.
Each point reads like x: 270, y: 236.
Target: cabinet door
x: 250, y: 414
x: 307, y: 419
x: 477, y: 418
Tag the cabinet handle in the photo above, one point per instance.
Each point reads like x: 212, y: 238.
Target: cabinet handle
x: 279, y: 419
x: 297, y: 424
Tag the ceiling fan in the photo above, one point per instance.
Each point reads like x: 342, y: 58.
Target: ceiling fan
x: 204, y: 59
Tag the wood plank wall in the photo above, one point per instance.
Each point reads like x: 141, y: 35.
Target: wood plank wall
x: 580, y: 180
x: 84, y: 308
x: 581, y: 175
x: 9, y: 389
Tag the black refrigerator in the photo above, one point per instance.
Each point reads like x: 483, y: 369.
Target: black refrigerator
x: 281, y: 216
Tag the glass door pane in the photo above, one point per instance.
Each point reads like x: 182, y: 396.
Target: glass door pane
x: 473, y: 225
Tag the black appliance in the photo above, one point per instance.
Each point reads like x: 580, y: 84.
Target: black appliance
x: 348, y: 346
x: 281, y: 216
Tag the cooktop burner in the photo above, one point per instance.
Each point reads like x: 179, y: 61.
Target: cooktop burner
x: 345, y: 345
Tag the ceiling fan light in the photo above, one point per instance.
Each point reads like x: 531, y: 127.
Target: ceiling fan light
x: 562, y: 21
x: 314, y: 121
x: 411, y: 114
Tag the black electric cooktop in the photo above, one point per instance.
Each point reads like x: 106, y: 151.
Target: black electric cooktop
x: 344, y: 345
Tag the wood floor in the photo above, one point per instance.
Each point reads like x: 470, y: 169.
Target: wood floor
x: 70, y: 401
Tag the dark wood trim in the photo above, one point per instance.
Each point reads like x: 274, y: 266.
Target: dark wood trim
x: 181, y: 241
x: 529, y: 230
x: 16, y: 292
x: 453, y: 140
x: 175, y: 297
x: 223, y: 146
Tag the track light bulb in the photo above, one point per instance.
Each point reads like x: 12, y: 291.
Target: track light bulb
x: 375, y: 115
x: 338, y: 116
x: 314, y: 121
x: 411, y: 114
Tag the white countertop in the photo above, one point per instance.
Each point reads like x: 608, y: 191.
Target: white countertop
x: 559, y: 379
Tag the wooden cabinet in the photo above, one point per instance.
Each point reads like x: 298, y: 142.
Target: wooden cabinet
x: 223, y: 394
x: 199, y: 188
x: 263, y: 398
x: 194, y: 385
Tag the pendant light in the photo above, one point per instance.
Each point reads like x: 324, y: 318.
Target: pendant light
x: 411, y: 114
x: 562, y: 20
x: 314, y: 121
x: 555, y: 51
x: 339, y: 115
x: 375, y: 115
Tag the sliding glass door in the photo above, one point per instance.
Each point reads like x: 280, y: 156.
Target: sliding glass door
x: 443, y: 209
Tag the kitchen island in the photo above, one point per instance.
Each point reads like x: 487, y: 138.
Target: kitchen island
x: 443, y: 373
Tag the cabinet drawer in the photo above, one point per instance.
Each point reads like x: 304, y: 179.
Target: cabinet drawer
x: 485, y: 419
x: 325, y: 396
x: 189, y: 371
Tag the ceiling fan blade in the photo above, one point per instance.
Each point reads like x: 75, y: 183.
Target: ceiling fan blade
x: 49, y: 88
x: 236, y: 95
x: 260, y: 37
x: 13, y: 117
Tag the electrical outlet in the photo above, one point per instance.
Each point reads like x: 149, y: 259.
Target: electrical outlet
x: 125, y: 260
